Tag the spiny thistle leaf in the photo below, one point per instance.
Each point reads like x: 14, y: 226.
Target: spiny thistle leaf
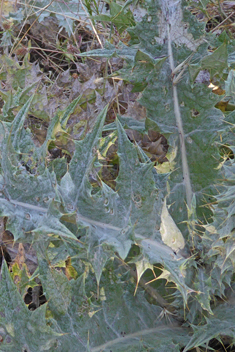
x: 222, y: 323
x: 183, y: 109
x: 98, y: 309
x: 83, y: 157
x: 115, y: 317
x: 18, y: 320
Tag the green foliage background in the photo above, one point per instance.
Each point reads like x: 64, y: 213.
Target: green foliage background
x: 99, y: 229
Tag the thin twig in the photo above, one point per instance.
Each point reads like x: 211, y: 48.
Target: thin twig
x: 219, y: 25
x: 92, y: 25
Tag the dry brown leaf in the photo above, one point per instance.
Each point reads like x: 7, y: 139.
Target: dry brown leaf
x: 20, y: 257
x: 153, y: 143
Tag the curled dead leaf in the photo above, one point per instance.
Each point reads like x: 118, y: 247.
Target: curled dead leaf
x: 153, y: 144
x: 171, y: 234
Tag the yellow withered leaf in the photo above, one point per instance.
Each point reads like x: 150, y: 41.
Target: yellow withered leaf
x: 171, y: 235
